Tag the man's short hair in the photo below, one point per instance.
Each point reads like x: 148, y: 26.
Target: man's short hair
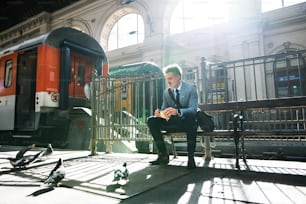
x: 174, y: 68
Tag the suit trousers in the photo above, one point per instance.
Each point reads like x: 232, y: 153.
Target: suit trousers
x: 186, y: 123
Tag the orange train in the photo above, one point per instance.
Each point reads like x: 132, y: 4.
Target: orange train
x: 42, y: 79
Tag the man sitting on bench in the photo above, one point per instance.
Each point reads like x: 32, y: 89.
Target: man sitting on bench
x: 177, y: 114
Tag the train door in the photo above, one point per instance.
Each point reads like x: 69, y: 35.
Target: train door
x: 25, y: 91
x: 7, y: 91
x: 81, y: 69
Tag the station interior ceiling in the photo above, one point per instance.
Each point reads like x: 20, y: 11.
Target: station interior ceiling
x: 13, y: 12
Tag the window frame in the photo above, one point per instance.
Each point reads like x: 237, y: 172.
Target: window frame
x: 8, y: 73
x: 118, y: 43
x: 291, y: 77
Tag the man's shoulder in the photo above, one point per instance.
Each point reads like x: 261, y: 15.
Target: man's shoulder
x: 166, y: 92
x: 188, y: 85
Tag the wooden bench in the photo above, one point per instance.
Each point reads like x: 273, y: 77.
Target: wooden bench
x: 238, y: 133
x: 204, y: 139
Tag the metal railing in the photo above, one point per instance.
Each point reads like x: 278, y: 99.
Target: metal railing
x: 122, y: 105
x: 260, y: 78
x: 270, y: 89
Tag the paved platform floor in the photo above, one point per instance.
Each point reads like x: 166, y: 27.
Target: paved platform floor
x: 89, y: 179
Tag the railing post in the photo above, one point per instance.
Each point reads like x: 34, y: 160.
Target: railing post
x: 107, y: 111
x: 204, y: 82
x: 93, y: 97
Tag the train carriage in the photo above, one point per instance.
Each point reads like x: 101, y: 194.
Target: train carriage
x: 43, y: 78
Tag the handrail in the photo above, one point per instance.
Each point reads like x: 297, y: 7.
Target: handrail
x: 291, y: 102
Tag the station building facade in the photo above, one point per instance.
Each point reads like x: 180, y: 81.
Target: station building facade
x: 176, y: 31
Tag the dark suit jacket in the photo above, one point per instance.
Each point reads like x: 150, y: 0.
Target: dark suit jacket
x: 188, y: 99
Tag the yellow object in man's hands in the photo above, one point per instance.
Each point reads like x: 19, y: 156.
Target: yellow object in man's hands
x: 164, y: 115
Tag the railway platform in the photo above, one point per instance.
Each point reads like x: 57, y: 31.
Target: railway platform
x: 89, y: 179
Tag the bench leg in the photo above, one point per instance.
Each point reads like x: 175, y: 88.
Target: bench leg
x: 207, y: 150
x: 205, y: 144
x: 173, y: 147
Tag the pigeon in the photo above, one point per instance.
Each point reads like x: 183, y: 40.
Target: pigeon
x: 21, y: 153
x: 21, y: 160
x: 56, y: 175
x: 47, y: 151
x: 122, y: 173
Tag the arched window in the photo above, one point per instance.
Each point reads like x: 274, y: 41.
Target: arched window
x: 268, y: 5
x: 128, y: 30
x: 194, y: 14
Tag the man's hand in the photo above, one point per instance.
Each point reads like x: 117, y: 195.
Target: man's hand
x: 171, y: 111
x: 157, y: 113
x: 166, y: 113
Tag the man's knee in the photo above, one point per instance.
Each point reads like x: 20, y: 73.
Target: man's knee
x: 154, y: 122
x: 150, y: 120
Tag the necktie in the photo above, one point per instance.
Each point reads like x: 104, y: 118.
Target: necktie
x: 177, y: 98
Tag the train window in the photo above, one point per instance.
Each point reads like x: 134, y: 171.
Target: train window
x: 8, y: 75
x: 81, y: 74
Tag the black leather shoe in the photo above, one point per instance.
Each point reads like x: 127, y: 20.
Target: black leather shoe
x: 162, y: 160
x: 155, y: 162
x: 191, y: 164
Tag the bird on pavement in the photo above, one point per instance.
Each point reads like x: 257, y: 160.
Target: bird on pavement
x: 121, y: 173
x: 21, y: 160
x: 47, y: 151
x: 56, y: 175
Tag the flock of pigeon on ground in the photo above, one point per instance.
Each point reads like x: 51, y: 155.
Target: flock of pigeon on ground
x: 22, y: 160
